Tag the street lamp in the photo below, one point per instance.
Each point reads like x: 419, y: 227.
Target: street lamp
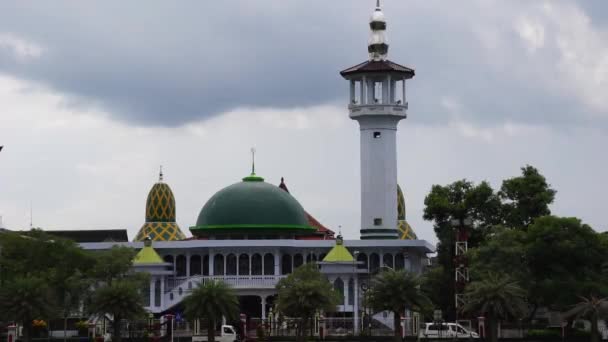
x: 356, y: 294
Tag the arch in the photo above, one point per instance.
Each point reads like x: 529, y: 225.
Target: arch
x: 351, y: 291
x: 286, y: 266
x: 256, y: 264
x: 157, y: 293
x: 169, y: 259
x: 387, y: 260
x: 374, y: 262
x: 243, y: 264
x: 195, y: 265
x: 339, y: 288
x: 298, y: 260
x: 231, y: 264
x: 206, y: 264
x: 180, y: 266
x: 399, y: 261
x: 218, y: 264
x: 363, y: 262
x: 268, y: 264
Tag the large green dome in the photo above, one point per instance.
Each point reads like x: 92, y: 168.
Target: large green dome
x: 251, y: 207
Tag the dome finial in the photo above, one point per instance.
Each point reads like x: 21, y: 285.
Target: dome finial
x: 377, y: 3
x: 253, y: 160
x: 160, y: 174
x: 377, y: 46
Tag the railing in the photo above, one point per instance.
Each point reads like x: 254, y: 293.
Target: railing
x: 236, y: 281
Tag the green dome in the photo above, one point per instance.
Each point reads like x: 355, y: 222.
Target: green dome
x: 251, y: 206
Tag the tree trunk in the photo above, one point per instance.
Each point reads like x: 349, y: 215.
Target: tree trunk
x: 27, y: 330
x: 116, y: 329
x: 493, y: 322
x: 211, y: 331
x: 65, y: 328
x: 594, y: 330
x: 397, y: 325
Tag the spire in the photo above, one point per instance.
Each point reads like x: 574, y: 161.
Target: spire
x: 377, y: 45
x: 253, y: 160
x: 160, y: 174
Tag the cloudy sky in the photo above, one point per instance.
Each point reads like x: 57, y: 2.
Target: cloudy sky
x: 95, y: 96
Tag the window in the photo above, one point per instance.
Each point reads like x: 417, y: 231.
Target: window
x: 377, y: 135
x: 268, y: 264
x: 339, y: 288
x: 377, y: 221
x: 231, y: 264
x: 298, y: 260
x: 243, y: 264
x: 180, y: 266
x: 374, y: 262
x: 286, y: 264
x: 362, y: 258
x: 157, y: 293
x: 256, y: 264
x: 351, y: 291
x: 206, y: 265
x: 218, y: 264
x: 195, y: 265
x: 387, y: 260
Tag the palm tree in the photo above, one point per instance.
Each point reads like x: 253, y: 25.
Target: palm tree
x: 496, y: 297
x: 302, y: 294
x: 211, y: 301
x: 23, y: 300
x: 397, y: 291
x: 590, y: 308
x: 121, y: 299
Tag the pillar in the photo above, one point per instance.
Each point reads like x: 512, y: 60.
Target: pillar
x: 352, y: 91
x: 277, y: 263
x: 363, y: 86
x: 211, y: 257
x: 263, y: 301
x: 162, y: 293
x: 188, y: 264
x: 356, y: 305
x: 152, y: 291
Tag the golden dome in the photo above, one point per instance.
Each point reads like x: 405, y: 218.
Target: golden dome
x: 405, y: 230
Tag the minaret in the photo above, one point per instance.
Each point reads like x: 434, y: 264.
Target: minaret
x: 377, y: 102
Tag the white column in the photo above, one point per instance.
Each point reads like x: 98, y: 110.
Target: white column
x: 363, y: 99
x: 162, y: 292
x: 152, y: 290
x: 385, y: 91
x: 352, y: 91
x: 277, y: 263
x: 356, y: 305
x: 263, y: 307
x: 345, y: 291
x: 211, y: 257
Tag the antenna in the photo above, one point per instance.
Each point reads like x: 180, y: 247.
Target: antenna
x: 378, y: 3
x: 253, y: 160
x: 160, y: 174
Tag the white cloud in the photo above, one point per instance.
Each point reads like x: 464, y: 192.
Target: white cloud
x: 21, y: 49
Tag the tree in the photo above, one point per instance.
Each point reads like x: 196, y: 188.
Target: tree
x: 302, y: 294
x: 397, y: 291
x: 24, y: 299
x: 119, y: 292
x: 457, y: 201
x: 590, y: 308
x: 211, y: 301
x: 525, y: 198
x: 121, y: 299
x: 496, y: 297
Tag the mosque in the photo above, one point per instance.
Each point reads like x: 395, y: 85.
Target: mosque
x: 253, y: 233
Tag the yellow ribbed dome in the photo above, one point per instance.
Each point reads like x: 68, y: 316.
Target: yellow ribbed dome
x: 405, y: 230
x: 160, y: 215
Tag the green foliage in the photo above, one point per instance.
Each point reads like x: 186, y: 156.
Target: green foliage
x: 495, y: 297
x: 210, y: 301
x: 519, y: 202
x: 303, y: 293
x: 525, y: 198
x: 121, y: 299
x: 544, y: 333
x: 113, y: 264
x: 25, y: 299
x: 396, y: 291
x: 591, y: 308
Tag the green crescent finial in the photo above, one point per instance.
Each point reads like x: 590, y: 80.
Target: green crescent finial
x: 253, y: 177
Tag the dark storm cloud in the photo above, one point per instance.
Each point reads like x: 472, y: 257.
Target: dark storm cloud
x: 167, y: 63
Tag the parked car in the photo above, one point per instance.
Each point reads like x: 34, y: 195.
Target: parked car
x: 226, y: 334
x: 446, y: 330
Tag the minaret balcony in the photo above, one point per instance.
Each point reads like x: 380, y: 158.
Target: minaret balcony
x: 380, y: 109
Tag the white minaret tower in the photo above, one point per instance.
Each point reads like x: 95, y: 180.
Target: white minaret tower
x: 377, y: 102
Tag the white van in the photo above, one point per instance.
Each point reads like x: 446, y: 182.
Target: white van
x: 226, y: 334
x: 446, y: 330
